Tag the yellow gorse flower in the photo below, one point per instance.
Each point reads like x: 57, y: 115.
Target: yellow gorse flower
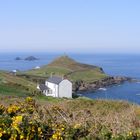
x: 29, y: 99
x: 57, y: 136
x: 130, y: 133
x: 0, y: 132
x: 21, y: 136
x: 62, y: 128
x: 2, y: 109
x: 77, y: 126
x: 39, y: 130
x: 16, y: 121
x: 13, y: 109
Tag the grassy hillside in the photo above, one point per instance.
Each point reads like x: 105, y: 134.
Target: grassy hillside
x: 72, y: 119
x: 65, y: 66
x: 13, y: 85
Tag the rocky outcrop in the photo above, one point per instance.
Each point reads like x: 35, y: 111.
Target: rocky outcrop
x: 108, y: 81
x: 18, y: 58
x: 31, y: 58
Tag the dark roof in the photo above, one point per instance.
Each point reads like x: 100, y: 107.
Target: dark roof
x: 55, y: 79
x: 43, y: 87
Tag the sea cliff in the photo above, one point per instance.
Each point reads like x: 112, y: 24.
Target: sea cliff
x: 102, y: 83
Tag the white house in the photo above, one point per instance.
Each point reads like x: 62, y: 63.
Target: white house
x: 13, y: 72
x: 57, y: 87
x: 43, y: 88
x: 37, y: 67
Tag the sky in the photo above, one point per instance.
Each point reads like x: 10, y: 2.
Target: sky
x: 77, y: 26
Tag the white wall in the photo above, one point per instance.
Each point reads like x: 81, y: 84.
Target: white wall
x: 65, y: 89
x: 53, y: 87
x: 38, y: 87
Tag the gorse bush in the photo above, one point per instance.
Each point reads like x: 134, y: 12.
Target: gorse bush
x: 25, y: 120
x: 28, y: 120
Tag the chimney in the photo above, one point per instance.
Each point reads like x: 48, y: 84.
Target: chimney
x: 64, y: 77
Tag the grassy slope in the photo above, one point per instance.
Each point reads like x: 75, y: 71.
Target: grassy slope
x: 13, y: 85
x: 70, y: 68
x: 97, y: 116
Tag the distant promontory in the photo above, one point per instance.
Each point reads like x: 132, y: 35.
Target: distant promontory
x: 84, y: 77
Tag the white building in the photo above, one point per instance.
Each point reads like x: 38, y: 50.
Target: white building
x: 37, y: 67
x: 57, y: 87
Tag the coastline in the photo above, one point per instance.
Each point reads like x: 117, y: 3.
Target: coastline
x: 82, y: 86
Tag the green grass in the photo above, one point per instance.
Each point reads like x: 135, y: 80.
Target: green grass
x: 8, y: 90
x: 65, y: 66
x: 88, y: 76
x: 16, y: 86
x: 43, y: 99
x: 9, y: 78
x: 46, y: 71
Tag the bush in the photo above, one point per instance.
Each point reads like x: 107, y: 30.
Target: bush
x: 27, y: 120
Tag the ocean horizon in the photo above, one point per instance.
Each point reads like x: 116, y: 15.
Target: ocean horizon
x: 112, y: 64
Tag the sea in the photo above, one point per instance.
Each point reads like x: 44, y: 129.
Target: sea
x: 112, y: 64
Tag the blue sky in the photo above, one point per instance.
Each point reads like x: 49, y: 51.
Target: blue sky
x: 86, y: 26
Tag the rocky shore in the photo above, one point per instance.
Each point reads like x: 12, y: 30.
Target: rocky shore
x: 80, y: 86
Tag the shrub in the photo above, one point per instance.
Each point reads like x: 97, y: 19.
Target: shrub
x: 28, y: 120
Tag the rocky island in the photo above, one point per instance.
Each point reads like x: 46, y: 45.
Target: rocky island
x: 31, y: 58
x: 18, y: 58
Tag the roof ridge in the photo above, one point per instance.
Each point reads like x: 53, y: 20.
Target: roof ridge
x: 55, y: 79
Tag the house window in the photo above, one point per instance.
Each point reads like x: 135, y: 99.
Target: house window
x: 49, y: 91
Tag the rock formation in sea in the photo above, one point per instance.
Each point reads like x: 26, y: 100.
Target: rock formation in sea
x: 18, y: 58
x: 31, y: 58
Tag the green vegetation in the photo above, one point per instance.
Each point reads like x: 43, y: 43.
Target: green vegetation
x: 87, y: 75
x: 72, y: 119
x: 12, y: 91
x: 13, y: 85
x: 65, y: 66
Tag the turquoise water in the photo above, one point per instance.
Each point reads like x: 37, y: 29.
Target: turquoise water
x: 123, y: 65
